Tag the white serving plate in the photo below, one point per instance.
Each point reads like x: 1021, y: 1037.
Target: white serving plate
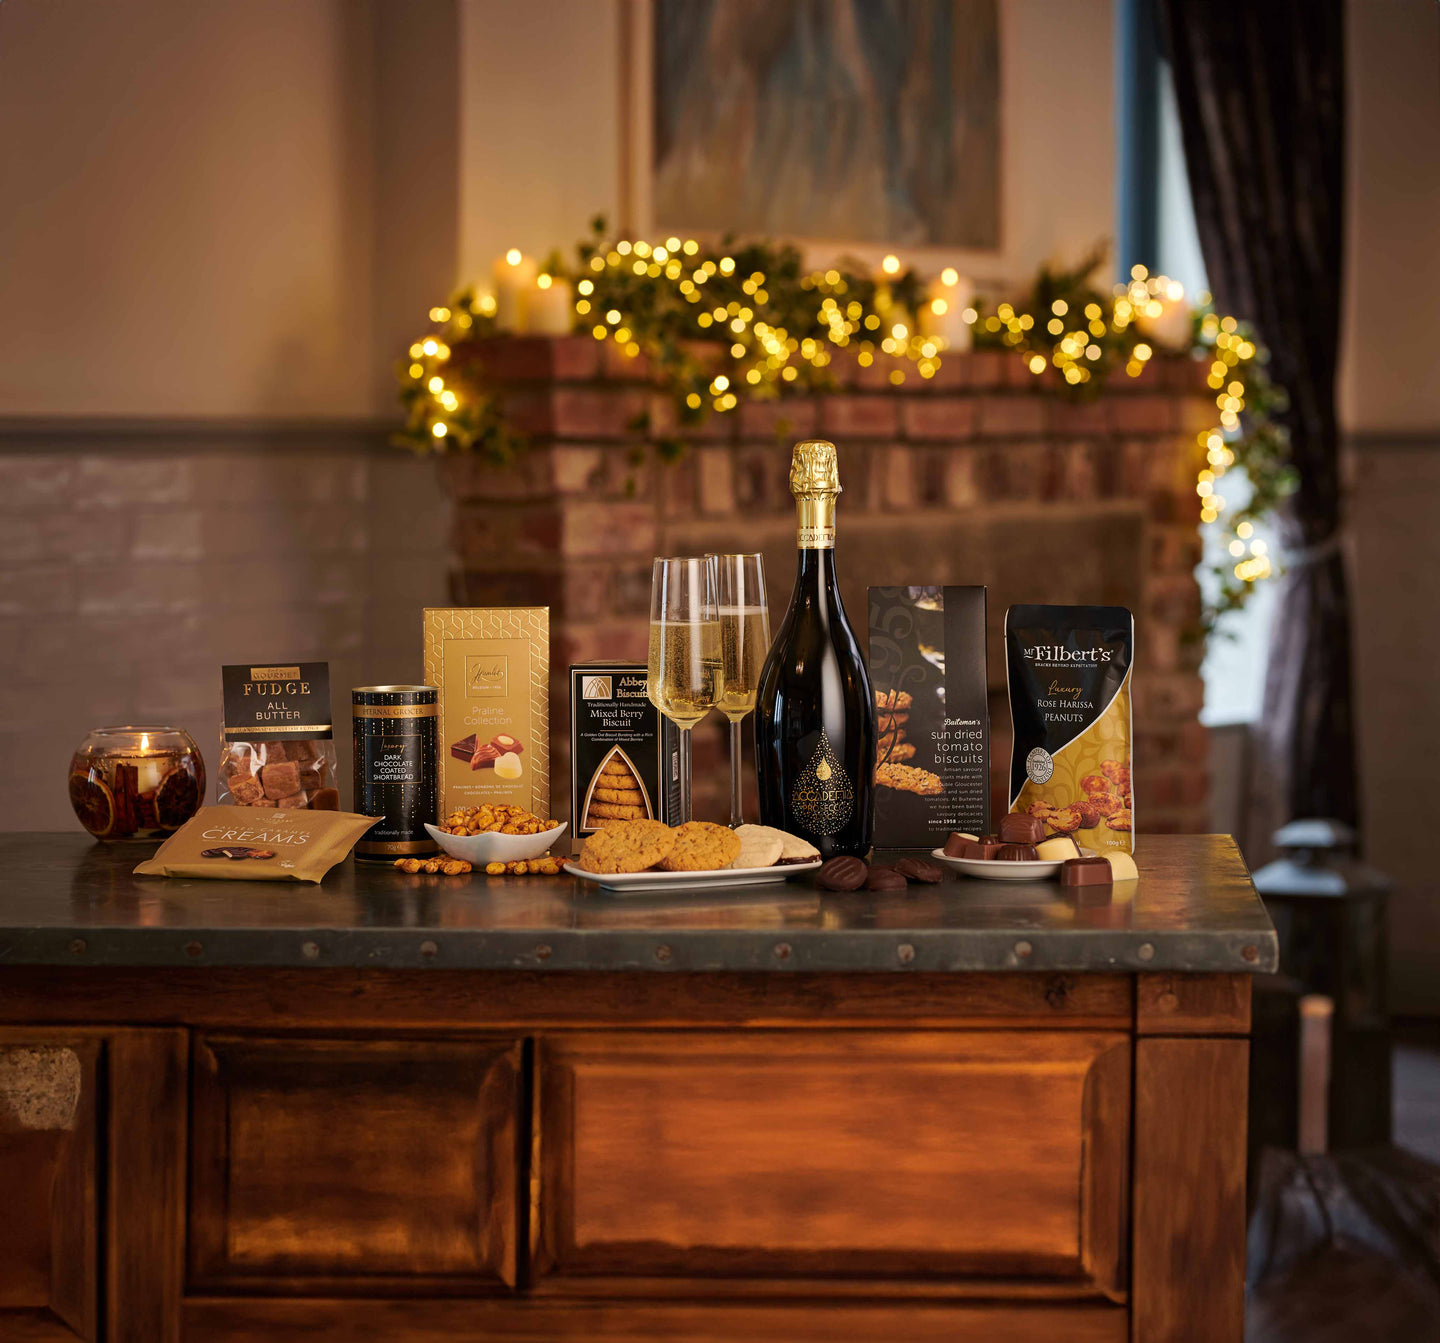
x: 993, y: 869
x: 635, y: 883
x: 493, y: 847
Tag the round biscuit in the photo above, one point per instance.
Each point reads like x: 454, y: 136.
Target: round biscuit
x: 701, y: 846
x: 631, y: 846
x: 901, y: 750
x: 625, y: 797
x: 793, y: 849
x: 617, y: 811
x: 760, y: 846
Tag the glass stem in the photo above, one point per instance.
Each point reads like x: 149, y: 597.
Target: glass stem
x: 684, y: 774
x: 736, y: 803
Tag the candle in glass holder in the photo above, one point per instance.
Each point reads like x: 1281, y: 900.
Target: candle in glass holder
x: 515, y: 276
x: 151, y: 765
x: 551, y: 307
x: 136, y: 782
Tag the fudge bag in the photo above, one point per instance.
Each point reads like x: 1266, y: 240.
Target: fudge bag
x: 1068, y: 669
x: 251, y: 844
x: 277, y: 745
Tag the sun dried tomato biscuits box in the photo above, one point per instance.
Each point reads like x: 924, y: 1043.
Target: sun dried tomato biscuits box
x: 491, y: 666
x: 927, y: 670
x: 624, y: 754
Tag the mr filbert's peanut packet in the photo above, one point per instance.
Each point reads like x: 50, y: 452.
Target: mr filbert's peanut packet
x: 1069, y: 670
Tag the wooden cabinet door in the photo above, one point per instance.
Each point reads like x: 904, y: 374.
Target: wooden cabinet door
x: 49, y: 1140
x: 925, y: 1156
x: 343, y: 1166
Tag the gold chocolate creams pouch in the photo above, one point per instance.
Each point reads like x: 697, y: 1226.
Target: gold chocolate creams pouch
x: 252, y: 844
x: 1069, y: 670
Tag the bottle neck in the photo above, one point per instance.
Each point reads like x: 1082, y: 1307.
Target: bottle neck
x: 815, y: 518
x: 815, y: 569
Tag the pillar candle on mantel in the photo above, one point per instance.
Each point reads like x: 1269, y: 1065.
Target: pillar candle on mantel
x: 1173, y: 328
x: 552, y: 307
x: 943, y: 312
x: 515, y: 276
x: 891, y: 312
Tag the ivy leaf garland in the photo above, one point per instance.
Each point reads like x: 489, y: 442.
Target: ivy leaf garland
x: 749, y: 321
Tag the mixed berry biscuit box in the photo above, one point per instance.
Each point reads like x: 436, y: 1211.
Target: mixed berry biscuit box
x: 932, y: 714
x: 624, y: 753
x: 491, y: 671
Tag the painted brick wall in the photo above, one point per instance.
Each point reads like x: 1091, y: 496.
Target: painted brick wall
x: 131, y: 571
x: 973, y: 477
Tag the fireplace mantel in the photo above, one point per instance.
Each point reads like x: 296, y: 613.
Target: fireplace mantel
x: 975, y: 476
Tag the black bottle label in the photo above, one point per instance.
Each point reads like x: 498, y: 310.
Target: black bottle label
x: 823, y: 798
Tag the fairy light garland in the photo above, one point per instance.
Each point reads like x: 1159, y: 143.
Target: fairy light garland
x: 1078, y: 338
x: 720, y: 327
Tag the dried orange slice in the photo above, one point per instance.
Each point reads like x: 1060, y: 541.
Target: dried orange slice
x: 176, y: 799
x: 94, y: 804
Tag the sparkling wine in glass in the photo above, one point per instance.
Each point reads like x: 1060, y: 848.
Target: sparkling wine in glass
x: 744, y: 642
x: 684, y: 672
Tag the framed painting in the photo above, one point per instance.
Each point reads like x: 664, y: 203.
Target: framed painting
x: 857, y: 124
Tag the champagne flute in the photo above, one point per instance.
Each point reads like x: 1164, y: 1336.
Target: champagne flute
x: 744, y: 641
x: 683, y: 679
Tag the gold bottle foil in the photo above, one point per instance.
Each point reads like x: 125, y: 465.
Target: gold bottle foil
x: 815, y: 483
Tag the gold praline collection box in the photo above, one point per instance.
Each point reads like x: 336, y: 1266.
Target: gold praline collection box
x: 491, y: 667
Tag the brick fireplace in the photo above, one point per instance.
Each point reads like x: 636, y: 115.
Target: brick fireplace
x: 972, y: 477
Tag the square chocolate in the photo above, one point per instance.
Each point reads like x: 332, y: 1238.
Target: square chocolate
x: 1093, y: 871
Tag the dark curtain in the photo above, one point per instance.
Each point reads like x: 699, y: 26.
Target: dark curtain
x: 1261, y: 90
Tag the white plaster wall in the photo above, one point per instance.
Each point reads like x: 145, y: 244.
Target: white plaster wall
x: 187, y: 191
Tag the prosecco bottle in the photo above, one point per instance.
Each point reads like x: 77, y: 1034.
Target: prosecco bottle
x: 815, y: 715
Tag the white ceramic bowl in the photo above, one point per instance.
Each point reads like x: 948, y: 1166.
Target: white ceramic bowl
x: 493, y: 847
x: 992, y: 869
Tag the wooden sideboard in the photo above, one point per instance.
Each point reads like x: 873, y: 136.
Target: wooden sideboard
x: 387, y: 1110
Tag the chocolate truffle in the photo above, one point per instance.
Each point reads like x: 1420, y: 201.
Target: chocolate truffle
x: 955, y: 845
x: 1057, y: 848
x: 883, y: 878
x: 1086, y: 872
x: 1018, y: 828
x: 842, y: 874
x: 1017, y: 853
x: 918, y: 869
x: 1122, y: 865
